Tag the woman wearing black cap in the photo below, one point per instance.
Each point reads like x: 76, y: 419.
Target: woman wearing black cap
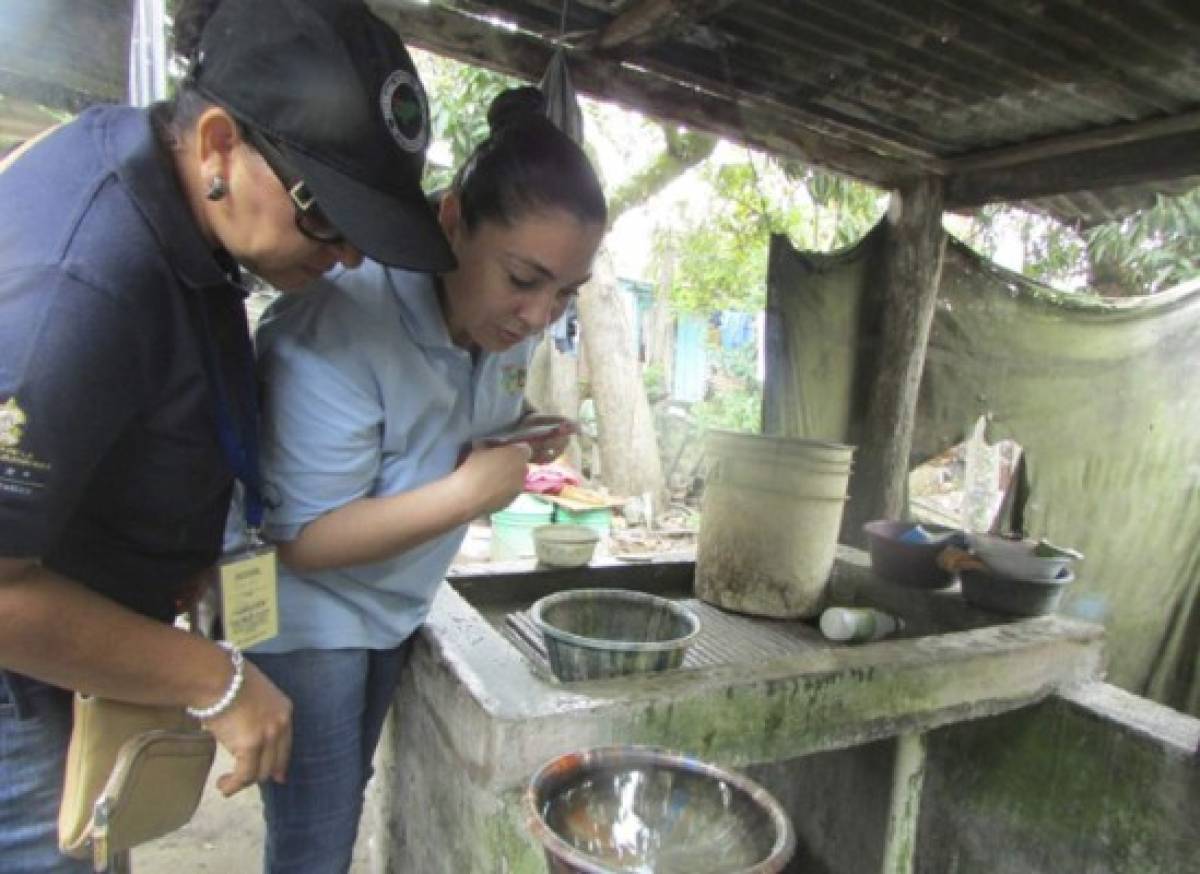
x: 126, y: 385
x: 381, y: 389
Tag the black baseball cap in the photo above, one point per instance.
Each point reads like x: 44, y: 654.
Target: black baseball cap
x: 333, y: 86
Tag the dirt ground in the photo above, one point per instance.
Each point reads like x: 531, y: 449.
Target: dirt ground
x: 225, y: 837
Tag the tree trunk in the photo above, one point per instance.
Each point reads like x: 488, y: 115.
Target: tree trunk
x: 912, y: 271
x: 628, y: 444
x: 683, y: 152
x: 661, y: 323
x: 553, y: 387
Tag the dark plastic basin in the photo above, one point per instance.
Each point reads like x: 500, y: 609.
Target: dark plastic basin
x: 596, y: 633
x: 1015, y: 597
x: 910, y: 564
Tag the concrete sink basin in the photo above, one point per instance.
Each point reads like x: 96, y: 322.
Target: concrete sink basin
x: 481, y: 711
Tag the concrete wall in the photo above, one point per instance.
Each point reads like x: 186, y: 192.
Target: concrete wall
x: 1095, y: 781
x: 434, y: 811
x: 1090, y: 780
x: 838, y: 804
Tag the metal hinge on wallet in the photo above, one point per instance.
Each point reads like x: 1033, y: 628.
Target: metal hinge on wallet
x: 103, y: 861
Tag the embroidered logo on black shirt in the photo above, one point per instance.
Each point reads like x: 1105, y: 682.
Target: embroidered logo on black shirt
x: 20, y: 472
x: 12, y: 424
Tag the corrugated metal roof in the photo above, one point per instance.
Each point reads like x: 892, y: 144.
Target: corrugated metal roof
x: 923, y: 83
x: 1091, y: 208
x: 984, y: 92
x: 939, y: 77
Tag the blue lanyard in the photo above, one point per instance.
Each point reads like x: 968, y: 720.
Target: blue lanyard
x: 240, y: 445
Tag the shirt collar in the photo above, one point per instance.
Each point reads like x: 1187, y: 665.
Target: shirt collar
x: 420, y: 309
x: 145, y: 169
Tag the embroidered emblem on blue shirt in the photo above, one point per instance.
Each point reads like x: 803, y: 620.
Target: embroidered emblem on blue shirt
x: 512, y: 379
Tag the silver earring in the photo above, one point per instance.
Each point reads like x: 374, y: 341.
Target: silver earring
x: 216, y: 188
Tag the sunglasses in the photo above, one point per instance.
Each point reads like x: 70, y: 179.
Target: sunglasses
x: 310, y: 220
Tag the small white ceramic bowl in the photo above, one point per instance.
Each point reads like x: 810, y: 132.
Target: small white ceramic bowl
x: 565, y: 545
x: 1016, y: 559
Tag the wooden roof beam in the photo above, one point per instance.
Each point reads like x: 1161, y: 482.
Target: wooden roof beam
x: 645, y: 22
x: 1156, y: 151
x: 1077, y: 143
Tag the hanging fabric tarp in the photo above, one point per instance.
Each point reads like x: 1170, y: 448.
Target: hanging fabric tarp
x: 1103, y: 395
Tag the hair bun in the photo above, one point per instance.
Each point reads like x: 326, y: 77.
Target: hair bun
x: 514, y: 106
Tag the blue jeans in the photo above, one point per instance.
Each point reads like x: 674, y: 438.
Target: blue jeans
x: 339, y: 698
x: 33, y: 750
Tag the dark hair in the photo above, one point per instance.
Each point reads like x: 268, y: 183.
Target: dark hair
x: 526, y: 164
x: 188, y: 25
x: 175, y: 116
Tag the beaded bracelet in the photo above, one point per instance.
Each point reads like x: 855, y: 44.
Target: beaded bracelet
x: 235, y: 685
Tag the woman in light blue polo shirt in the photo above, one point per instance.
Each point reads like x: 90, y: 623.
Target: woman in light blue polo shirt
x: 376, y: 383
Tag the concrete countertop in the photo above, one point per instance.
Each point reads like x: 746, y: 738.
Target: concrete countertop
x: 503, y: 716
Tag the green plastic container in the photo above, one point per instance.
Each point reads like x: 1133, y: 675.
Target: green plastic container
x: 512, y: 527
x: 599, y: 520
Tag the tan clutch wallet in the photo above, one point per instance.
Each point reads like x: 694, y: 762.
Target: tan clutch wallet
x: 134, y: 773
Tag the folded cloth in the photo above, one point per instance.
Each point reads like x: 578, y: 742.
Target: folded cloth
x: 549, y: 479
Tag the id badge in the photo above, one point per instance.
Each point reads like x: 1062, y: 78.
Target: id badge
x: 249, y: 596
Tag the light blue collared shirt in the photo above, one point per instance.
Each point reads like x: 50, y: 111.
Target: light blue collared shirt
x: 365, y: 394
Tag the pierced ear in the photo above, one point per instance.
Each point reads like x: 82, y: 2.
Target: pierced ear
x: 217, y: 136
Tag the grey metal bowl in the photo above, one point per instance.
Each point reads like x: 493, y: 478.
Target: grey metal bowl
x: 595, y: 633
x: 642, y: 809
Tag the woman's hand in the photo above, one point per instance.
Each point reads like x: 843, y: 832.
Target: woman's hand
x: 257, y: 731
x: 545, y: 451
x: 491, y: 478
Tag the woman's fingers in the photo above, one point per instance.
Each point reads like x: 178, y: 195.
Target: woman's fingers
x: 245, y: 769
x: 257, y: 730
x: 283, y: 754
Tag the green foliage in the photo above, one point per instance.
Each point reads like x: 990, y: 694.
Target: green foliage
x: 1150, y: 251
x: 1053, y: 256
x: 654, y: 381
x: 736, y: 402
x: 740, y: 364
x: 459, y: 97
x: 1146, y: 252
x: 719, y: 270
x: 739, y: 410
x: 843, y: 211
x: 721, y: 258
x: 683, y: 151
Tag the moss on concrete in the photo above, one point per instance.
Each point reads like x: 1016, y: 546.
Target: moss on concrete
x: 757, y: 722
x: 1055, y: 788
x: 505, y: 845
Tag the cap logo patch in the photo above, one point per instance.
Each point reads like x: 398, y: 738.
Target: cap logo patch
x: 405, y: 110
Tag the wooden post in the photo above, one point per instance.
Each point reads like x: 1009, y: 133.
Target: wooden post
x: 912, y: 271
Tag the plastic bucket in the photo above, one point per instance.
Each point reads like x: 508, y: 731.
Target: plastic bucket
x: 769, y: 522
x: 512, y: 527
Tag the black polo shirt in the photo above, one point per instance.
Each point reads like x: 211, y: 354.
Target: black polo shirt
x: 110, y: 468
